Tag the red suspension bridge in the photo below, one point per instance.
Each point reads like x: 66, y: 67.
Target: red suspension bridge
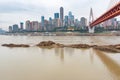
x: 112, y: 12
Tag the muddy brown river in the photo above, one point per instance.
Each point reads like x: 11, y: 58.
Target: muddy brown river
x: 35, y: 63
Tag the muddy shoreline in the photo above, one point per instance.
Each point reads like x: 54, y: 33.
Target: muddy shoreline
x: 51, y: 44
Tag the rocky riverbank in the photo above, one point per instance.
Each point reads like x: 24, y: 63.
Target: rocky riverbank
x: 51, y: 44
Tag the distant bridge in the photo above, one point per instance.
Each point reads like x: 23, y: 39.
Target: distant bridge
x: 113, y: 12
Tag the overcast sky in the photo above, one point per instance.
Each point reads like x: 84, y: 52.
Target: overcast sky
x: 16, y: 11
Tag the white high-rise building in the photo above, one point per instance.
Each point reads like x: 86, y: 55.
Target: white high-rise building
x: 70, y: 19
x: 28, y: 25
x: 35, y: 25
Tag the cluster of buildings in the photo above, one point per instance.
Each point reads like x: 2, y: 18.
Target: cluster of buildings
x: 15, y: 27
x: 59, y: 22
x: 111, y: 24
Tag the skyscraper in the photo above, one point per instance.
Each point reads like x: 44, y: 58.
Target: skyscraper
x: 50, y: 23
x: 56, y: 15
x: 10, y: 29
x: 42, y: 22
x: 61, y: 16
x: 56, y: 21
x: 15, y: 28
x: 28, y: 25
x: 66, y: 21
x: 70, y: 19
x: 21, y: 25
x: 83, y: 22
x: 35, y: 25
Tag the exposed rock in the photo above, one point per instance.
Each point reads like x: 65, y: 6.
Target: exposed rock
x: 79, y: 46
x: 59, y: 45
x: 107, y: 49
x: 117, y: 47
x: 15, y: 45
x: 49, y: 44
x: 94, y: 46
x: 46, y: 43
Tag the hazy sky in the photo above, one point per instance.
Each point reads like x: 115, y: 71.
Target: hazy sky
x: 16, y: 11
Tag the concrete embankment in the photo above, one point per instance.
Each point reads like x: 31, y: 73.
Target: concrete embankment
x: 51, y: 44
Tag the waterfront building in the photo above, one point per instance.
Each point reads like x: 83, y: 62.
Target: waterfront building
x: 70, y: 19
x: 110, y: 24
x: 35, y: 25
x: 21, y: 25
x: 15, y: 28
x: 28, y: 25
x: 56, y: 23
x: 42, y: 22
x: 118, y: 24
x: 10, y: 29
x: 40, y: 26
x: 83, y: 22
x: 77, y: 24
x: 46, y: 28
x: 105, y: 24
x: 50, y: 24
x: 61, y: 16
x: 66, y: 21
x: 56, y: 15
x: 114, y: 23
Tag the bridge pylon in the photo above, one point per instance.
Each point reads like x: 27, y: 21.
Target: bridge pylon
x: 91, y: 30
x: 91, y: 19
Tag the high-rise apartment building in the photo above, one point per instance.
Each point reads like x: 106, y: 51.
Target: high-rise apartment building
x: 66, y: 21
x: 15, y: 28
x: 21, y: 25
x: 10, y: 29
x: 42, y: 22
x: 83, y: 22
x: 50, y: 26
x: 56, y: 15
x: 35, y: 25
x: 70, y: 19
x: 56, y: 23
x: 61, y: 16
x: 28, y: 25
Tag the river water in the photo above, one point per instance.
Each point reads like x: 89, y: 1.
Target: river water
x: 58, y: 63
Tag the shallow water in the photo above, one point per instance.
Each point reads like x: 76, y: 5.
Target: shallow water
x: 58, y: 63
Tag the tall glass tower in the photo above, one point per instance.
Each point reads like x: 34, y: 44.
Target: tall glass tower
x: 42, y: 22
x: 56, y: 15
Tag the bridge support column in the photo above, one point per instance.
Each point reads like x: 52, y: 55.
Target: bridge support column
x: 91, y: 30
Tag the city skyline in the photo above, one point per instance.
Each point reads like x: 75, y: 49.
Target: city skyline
x: 62, y: 23
x: 59, y: 22
x: 12, y: 12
